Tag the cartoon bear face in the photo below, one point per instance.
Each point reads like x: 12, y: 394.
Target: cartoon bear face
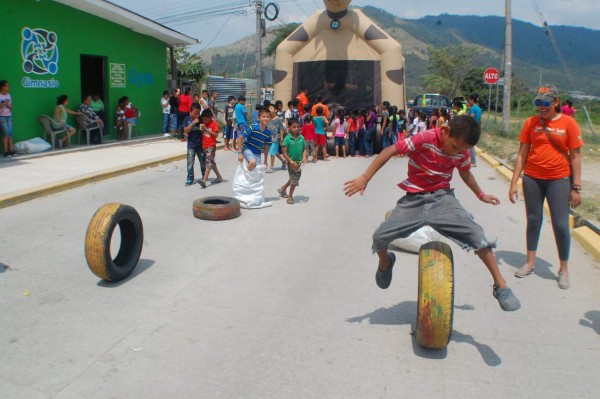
x: 336, y: 6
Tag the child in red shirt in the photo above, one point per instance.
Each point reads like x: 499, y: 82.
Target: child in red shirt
x: 430, y: 201
x: 309, y: 133
x: 210, y: 130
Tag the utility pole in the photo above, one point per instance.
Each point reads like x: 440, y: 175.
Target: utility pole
x: 259, y: 7
x: 507, y: 69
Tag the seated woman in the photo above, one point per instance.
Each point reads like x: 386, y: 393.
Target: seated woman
x: 92, y: 120
x: 131, y: 113
x: 60, y: 119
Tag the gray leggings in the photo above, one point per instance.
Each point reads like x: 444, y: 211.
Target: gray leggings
x: 557, y: 193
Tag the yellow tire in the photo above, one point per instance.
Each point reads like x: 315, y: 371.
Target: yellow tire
x: 99, y: 235
x: 435, y: 304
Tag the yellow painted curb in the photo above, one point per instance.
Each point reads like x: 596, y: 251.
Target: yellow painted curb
x: 589, y: 240
x: 504, y: 171
x: 478, y: 150
x: 489, y: 159
x: 53, y: 188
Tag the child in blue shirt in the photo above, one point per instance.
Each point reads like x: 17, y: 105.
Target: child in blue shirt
x: 252, y: 141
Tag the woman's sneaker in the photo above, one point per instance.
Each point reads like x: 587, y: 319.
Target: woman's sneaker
x: 563, y: 280
x: 524, y: 271
x: 507, y: 300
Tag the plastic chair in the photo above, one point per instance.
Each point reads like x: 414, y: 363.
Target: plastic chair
x: 46, y: 122
x: 81, y: 121
x: 133, y: 124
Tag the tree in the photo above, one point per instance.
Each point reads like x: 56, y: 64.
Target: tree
x: 188, y: 66
x: 280, y: 36
x: 449, y: 67
x: 473, y: 83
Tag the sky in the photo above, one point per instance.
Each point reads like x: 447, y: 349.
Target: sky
x: 216, y: 30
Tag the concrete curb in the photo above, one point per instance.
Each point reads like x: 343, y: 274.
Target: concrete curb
x: 585, y: 236
x: 29, y: 194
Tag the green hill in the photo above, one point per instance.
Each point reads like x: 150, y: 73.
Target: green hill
x: 533, y: 52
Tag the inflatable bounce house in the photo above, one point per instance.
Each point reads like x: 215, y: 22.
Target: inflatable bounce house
x: 344, y: 56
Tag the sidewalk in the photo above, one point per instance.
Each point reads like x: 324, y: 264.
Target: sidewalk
x: 26, y: 177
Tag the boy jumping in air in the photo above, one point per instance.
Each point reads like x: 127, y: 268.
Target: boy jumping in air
x: 429, y: 200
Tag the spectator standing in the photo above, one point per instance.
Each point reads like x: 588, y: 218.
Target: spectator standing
x: 294, y: 151
x: 191, y: 128
x: 360, y: 129
x: 277, y: 128
x: 340, y: 133
x: 212, y: 103
x: 474, y: 111
x: 241, y: 119
x: 320, y: 122
x: 6, y: 119
x: 204, y: 100
x: 386, y: 138
x: 352, y: 133
x: 210, y: 131
x: 567, y: 108
x: 319, y: 103
x: 302, y: 101
x: 173, y: 109
x: 309, y: 133
x: 185, y: 104
x: 229, y: 117
x: 166, y: 111
x: 370, y: 131
x: 549, y: 153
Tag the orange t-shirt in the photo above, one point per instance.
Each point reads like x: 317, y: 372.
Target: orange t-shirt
x: 313, y: 111
x: 544, y: 161
x: 208, y: 140
x: 302, y: 101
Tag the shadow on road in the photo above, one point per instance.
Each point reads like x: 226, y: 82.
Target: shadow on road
x: 141, y: 267
x: 593, y: 320
x: 543, y: 269
x: 406, y: 313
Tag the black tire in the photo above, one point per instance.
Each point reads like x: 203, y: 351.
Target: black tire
x: 99, y: 235
x: 216, y: 208
x: 435, y: 303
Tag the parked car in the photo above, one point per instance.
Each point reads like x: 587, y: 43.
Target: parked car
x: 429, y: 102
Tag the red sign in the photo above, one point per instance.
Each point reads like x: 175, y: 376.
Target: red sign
x: 491, y: 76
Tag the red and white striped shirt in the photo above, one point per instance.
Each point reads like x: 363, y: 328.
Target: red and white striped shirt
x: 429, y: 167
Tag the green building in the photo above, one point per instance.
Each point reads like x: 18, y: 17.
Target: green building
x: 80, y: 47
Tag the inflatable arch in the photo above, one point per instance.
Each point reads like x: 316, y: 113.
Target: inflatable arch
x: 344, y: 56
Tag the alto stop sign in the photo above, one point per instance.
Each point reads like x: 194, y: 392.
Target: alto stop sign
x: 491, y: 76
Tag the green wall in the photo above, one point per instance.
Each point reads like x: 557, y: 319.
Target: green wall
x: 79, y: 34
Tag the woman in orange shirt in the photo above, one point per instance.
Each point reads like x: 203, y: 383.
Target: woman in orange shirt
x: 550, y: 141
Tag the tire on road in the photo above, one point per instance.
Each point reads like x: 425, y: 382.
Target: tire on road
x: 216, y: 208
x: 435, y: 303
x: 98, y: 239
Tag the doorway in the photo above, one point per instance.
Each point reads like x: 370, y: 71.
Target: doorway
x: 93, y: 81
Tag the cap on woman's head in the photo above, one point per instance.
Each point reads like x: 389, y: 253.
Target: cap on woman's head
x: 547, y: 93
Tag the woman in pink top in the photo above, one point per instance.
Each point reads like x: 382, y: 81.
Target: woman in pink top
x: 567, y: 108
x: 340, y: 133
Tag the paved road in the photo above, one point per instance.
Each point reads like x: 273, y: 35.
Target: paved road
x: 279, y: 303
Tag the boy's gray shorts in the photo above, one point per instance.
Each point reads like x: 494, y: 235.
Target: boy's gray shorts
x: 438, y: 209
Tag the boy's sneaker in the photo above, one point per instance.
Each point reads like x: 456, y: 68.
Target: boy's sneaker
x: 284, y: 165
x: 508, y: 301
x: 384, y: 279
x: 189, y: 181
x: 269, y: 170
x: 563, y: 280
x: 524, y: 271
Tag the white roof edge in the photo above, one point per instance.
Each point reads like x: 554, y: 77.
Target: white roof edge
x: 131, y: 20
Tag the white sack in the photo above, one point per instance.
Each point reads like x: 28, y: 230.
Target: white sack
x: 249, y: 186
x: 32, y: 146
